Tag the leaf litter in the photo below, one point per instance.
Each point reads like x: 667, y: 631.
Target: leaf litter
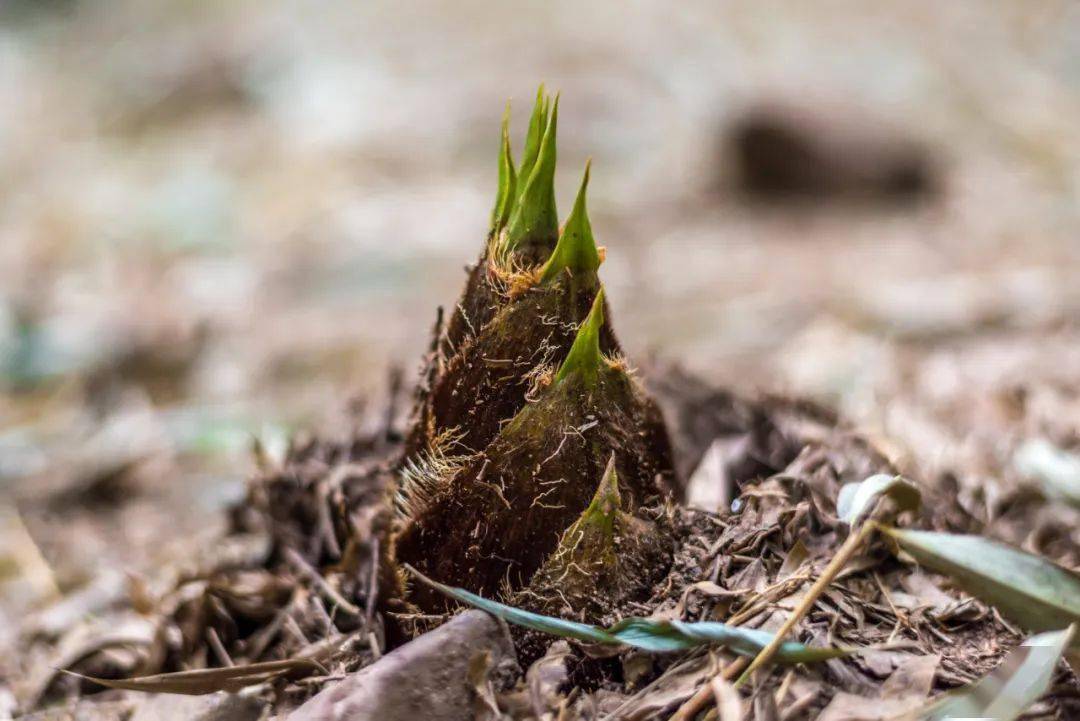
x: 748, y: 567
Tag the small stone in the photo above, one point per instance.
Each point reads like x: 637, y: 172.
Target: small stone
x: 427, y: 678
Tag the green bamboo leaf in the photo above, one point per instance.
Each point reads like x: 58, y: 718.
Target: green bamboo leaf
x: 857, y: 500
x: 1033, y: 591
x: 576, y: 250
x: 547, y: 624
x: 1013, y: 686
x: 644, y: 633
x: 584, y: 358
x: 661, y: 636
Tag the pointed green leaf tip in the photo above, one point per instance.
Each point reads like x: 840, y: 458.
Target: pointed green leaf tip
x: 535, y: 218
x: 584, y: 357
x: 606, y: 503
x: 576, y: 250
x: 504, y: 200
x: 533, y: 137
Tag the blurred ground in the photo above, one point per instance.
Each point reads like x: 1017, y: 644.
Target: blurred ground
x: 221, y: 221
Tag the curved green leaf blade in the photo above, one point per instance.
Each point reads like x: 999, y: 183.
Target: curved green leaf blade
x: 857, y: 500
x: 662, y: 636
x: 749, y: 642
x: 644, y: 633
x: 1009, y: 689
x: 535, y: 621
x: 1035, y: 592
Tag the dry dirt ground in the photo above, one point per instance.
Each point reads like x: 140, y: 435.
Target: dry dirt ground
x: 228, y: 222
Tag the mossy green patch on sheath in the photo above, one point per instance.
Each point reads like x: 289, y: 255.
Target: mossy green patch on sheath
x: 606, y: 558
x: 490, y: 378
x: 497, y: 520
x: 598, y: 519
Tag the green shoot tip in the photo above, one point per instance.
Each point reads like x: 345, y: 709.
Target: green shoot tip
x: 585, y: 358
x: 504, y: 199
x: 535, y: 218
x: 607, y: 501
x: 576, y: 250
x: 533, y: 136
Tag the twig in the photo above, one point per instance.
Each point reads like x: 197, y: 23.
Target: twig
x: 373, y: 644
x: 692, y: 657
x: 851, y: 545
x: 214, y: 640
x: 704, y: 694
x: 329, y: 591
x: 373, y: 585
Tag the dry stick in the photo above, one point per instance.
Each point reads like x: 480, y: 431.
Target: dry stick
x: 214, y: 640
x: 321, y: 583
x: 693, y: 656
x: 373, y: 585
x: 704, y: 694
x: 851, y: 545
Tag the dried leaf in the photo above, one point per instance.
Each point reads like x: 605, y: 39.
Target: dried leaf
x: 793, y: 561
x: 728, y: 702
x: 207, y: 680
x: 913, y: 678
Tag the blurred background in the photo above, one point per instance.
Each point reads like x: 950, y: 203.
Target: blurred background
x: 222, y: 221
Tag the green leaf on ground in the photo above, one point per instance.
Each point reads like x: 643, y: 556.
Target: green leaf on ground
x: 1033, y: 591
x: 644, y: 633
x: 1013, y: 686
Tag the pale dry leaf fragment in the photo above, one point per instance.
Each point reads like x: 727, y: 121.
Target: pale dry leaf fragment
x: 485, y: 707
x: 858, y: 500
x: 728, y: 701
x: 671, y: 689
x: 793, y: 561
x: 1056, y: 469
x: 913, y: 679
